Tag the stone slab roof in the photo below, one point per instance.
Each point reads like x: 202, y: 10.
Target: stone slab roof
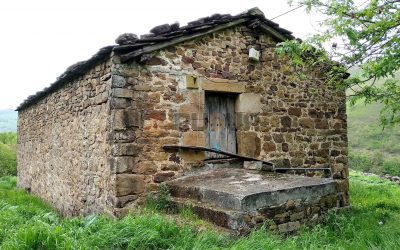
x: 130, y: 47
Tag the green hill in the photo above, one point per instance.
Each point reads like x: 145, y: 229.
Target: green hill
x: 366, y: 134
x: 372, y: 148
x: 8, y: 120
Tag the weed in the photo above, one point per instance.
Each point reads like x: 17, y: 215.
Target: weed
x: 160, y: 201
x: 28, y: 223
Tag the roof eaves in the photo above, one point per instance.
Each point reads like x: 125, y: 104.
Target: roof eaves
x: 71, y: 73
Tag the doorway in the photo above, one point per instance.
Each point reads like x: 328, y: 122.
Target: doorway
x: 220, y: 122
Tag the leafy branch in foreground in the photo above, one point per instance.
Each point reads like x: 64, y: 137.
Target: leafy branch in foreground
x: 364, y: 35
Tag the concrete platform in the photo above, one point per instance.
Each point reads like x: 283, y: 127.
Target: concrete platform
x: 236, y: 198
x: 248, y: 190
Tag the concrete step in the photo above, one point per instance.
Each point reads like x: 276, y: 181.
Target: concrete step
x: 248, y: 190
x: 231, y: 219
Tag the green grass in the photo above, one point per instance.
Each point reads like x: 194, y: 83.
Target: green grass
x: 8, y: 157
x: 27, y: 223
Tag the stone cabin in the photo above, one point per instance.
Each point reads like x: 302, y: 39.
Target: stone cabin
x: 95, y: 140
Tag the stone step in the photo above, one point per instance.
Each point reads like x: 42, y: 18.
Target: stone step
x: 231, y: 219
x: 249, y: 190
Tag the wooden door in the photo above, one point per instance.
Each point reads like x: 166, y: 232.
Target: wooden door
x: 220, y: 123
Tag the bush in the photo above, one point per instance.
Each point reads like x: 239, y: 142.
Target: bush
x: 392, y: 166
x: 8, y: 157
x: 376, y: 163
x: 8, y: 138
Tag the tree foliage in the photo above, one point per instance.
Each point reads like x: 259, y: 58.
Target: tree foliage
x: 363, y: 35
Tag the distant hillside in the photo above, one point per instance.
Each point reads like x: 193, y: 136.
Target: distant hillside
x: 372, y: 148
x: 366, y: 134
x: 8, y: 120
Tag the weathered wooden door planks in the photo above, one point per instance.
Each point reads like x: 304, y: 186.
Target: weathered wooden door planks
x: 220, y: 123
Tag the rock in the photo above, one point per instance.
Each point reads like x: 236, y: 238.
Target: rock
x: 145, y: 167
x: 285, y: 147
x: 128, y: 184
x: 215, y: 16
x: 125, y: 149
x: 160, y: 29
x: 321, y: 124
x: 187, y: 60
x: 289, y: 227
x: 175, y: 26
x: 155, y: 61
x: 306, y: 122
x: 269, y: 147
x: 249, y: 144
x: 255, y: 12
x: 126, y: 38
x: 144, y: 36
x: 122, y: 201
x: 159, y: 115
x: 118, y: 81
x: 294, y: 111
x: 122, y: 164
x: 278, y: 138
x: 125, y: 118
x: 252, y: 165
x: 163, y: 176
x: 286, y: 121
x: 122, y: 93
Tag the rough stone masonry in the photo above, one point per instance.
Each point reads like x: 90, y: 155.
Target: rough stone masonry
x: 93, y: 141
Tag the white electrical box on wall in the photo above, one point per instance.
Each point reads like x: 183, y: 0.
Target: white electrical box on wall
x: 254, y: 54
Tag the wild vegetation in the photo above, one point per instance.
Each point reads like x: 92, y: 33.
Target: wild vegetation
x: 27, y: 223
x: 362, y: 34
x: 8, y: 158
x: 371, y: 147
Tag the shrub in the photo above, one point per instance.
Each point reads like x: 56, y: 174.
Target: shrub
x: 392, y: 166
x: 8, y: 157
x: 8, y: 138
x: 377, y: 163
x: 8, y: 160
x: 160, y: 200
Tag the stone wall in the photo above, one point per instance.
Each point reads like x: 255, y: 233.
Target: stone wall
x: 96, y: 143
x: 63, y: 149
x: 287, y: 217
x: 161, y: 101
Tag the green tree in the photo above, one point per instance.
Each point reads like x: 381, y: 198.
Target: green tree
x: 362, y: 34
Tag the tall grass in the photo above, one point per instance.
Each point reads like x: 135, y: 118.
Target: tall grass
x: 8, y: 158
x: 377, y: 163
x: 28, y: 223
